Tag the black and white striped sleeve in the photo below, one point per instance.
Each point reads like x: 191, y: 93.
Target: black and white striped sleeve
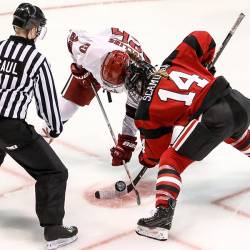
x: 46, y: 99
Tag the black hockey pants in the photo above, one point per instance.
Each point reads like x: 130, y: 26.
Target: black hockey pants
x: 229, y: 117
x: 35, y: 155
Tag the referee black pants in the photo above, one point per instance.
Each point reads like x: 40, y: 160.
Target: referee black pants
x: 35, y: 155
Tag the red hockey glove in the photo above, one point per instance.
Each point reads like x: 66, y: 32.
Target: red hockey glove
x: 123, y: 150
x: 77, y: 71
x: 82, y: 75
x: 145, y: 161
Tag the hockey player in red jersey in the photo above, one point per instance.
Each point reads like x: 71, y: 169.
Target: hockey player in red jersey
x: 184, y: 93
x: 102, y: 59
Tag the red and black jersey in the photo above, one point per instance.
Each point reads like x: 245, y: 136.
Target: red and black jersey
x: 190, y: 91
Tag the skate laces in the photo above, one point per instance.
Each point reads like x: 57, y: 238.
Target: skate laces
x: 68, y: 228
x: 153, y: 211
x: 153, y: 214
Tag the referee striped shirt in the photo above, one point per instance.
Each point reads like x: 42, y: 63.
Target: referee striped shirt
x: 24, y: 73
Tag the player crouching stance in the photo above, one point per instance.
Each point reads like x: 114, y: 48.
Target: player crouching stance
x: 101, y: 61
x: 184, y: 93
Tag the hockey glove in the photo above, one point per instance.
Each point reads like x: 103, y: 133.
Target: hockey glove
x: 123, y: 150
x: 83, y: 75
x: 145, y: 161
x: 77, y: 71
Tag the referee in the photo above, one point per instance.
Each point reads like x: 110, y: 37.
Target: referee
x: 24, y: 73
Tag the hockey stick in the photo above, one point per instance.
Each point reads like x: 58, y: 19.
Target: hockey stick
x: 114, y: 139
x: 115, y: 193
x: 226, y: 40
x: 111, y: 194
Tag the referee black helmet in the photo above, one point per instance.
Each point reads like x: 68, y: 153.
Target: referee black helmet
x: 27, y: 15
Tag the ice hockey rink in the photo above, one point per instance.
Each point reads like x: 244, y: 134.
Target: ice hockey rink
x: 213, y: 210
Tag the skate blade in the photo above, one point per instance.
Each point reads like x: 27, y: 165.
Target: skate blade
x: 54, y: 244
x: 156, y: 233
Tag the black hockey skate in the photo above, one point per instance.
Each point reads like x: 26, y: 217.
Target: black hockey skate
x: 159, y: 224
x: 58, y: 236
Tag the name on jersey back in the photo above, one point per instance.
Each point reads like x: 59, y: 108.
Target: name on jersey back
x: 8, y: 66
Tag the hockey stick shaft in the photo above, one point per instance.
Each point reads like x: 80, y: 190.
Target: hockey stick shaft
x: 224, y: 43
x: 111, y: 194
x: 227, y: 39
x: 114, y: 139
x: 138, y: 200
x: 131, y: 186
x: 104, y: 114
x: 137, y: 179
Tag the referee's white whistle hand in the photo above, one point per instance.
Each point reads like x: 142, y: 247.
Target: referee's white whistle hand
x: 47, y: 136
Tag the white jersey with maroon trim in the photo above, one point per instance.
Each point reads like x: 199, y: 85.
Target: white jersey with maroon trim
x: 89, y: 51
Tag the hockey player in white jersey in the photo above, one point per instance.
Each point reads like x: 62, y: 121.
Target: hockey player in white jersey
x: 102, y: 60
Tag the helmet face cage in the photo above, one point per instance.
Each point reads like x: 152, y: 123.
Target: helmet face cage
x: 112, y: 88
x: 134, y: 96
x: 41, y: 32
x: 137, y: 79
x: 27, y: 15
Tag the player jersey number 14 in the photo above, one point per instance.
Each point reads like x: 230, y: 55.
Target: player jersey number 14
x: 178, y: 78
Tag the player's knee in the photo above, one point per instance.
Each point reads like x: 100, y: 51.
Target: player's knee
x: 218, y: 119
x: 174, y: 159
x: 61, y: 176
x: 60, y: 172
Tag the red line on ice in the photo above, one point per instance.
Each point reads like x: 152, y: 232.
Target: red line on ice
x: 127, y: 233
x: 77, y: 148
x: 82, y: 150
x: 219, y: 202
x: 28, y: 181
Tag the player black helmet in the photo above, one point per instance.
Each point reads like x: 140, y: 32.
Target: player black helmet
x: 139, y: 74
x: 27, y: 15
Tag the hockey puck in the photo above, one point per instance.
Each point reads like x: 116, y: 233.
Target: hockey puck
x: 97, y: 195
x: 120, y: 186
